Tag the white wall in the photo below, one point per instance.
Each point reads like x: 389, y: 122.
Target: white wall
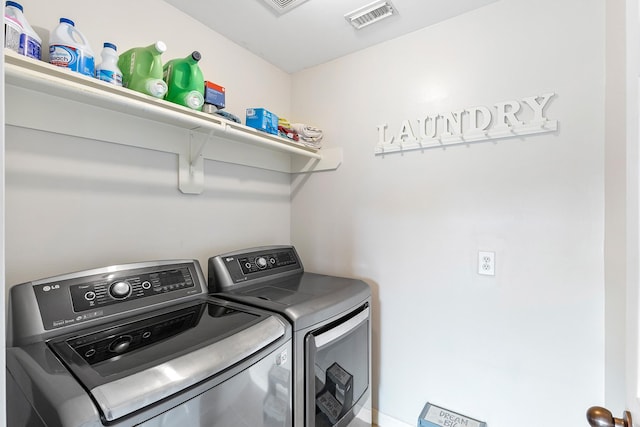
x: 508, y: 349
x: 75, y: 203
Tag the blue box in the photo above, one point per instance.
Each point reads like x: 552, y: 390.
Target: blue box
x: 261, y: 119
x: 214, y: 94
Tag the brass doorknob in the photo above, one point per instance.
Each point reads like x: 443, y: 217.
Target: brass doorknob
x: 601, y: 417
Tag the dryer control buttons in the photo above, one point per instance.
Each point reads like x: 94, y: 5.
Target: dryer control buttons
x: 120, y: 290
x: 265, y: 262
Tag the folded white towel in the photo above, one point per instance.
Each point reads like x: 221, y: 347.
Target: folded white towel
x: 313, y: 144
x: 308, y: 133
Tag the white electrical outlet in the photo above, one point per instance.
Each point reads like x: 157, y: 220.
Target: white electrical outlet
x: 487, y: 263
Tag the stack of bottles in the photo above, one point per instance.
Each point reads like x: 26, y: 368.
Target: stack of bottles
x: 141, y: 69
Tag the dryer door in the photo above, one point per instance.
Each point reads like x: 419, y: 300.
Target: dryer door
x: 337, y: 370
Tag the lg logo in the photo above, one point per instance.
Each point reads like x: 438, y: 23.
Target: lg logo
x: 48, y: 288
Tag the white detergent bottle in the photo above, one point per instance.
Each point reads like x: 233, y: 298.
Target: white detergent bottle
x: 108, y: 69
x: 12, y: 25
x: 19, y: 36
x: 68, y: 48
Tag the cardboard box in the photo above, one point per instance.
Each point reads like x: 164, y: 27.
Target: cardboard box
x: 263, y: 120
x: 214, y: 94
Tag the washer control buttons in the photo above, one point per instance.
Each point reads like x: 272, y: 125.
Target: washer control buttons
x: 120, y: 290
x: 146, y: 285
x: 261, y: 263
x: 90, y: 296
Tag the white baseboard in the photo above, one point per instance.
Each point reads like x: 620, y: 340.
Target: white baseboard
x: 382, y: 420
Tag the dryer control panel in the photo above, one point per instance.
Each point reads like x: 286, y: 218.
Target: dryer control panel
x: 238, y: 269
x: 254, y: 263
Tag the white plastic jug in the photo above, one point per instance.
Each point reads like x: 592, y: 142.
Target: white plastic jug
x: 19, y: 36
x: 12, y: 26
x: 68, y: 48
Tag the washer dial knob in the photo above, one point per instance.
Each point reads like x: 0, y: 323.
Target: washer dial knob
x: 120, y: 290
x: 120, y: 344
x: 261, y: 263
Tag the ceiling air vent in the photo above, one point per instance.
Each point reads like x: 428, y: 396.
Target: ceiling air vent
x: 282, y: 6
x: 370, y: 14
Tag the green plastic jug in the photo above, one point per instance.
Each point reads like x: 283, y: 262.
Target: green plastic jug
x: 185, y: 81
x: 142, y: 69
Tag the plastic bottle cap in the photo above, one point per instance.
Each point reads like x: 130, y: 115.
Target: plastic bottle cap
x: 160, y: 46
x: 67, y: 21
x: 156, y: 87
x: 194, y: 100
x: 110, y: 45
x: 196, y: 56
x: 14, y: 4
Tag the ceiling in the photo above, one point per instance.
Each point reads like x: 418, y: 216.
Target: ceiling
x: 315, y: 31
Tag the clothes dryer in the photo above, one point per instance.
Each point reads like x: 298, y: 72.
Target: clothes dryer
x: 331, y: 329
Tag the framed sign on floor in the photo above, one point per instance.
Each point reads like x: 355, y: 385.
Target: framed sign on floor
x: 436, y: 416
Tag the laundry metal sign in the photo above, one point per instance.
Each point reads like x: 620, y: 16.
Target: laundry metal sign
x: 435, y: 416
x: 506, y: 119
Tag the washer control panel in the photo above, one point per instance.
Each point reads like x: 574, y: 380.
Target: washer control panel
x: 104, y: 291
x: 67, y: 300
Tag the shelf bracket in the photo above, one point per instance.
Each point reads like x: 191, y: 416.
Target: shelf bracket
x: 196, y: 155
x: 191, y: 165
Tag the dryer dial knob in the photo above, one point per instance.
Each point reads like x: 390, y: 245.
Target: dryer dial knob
x: 261, y: 263
x: 120, y: 290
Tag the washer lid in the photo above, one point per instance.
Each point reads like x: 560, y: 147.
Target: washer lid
x: 135, y: 364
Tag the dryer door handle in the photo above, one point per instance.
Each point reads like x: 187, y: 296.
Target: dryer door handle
x: 342, y: 329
